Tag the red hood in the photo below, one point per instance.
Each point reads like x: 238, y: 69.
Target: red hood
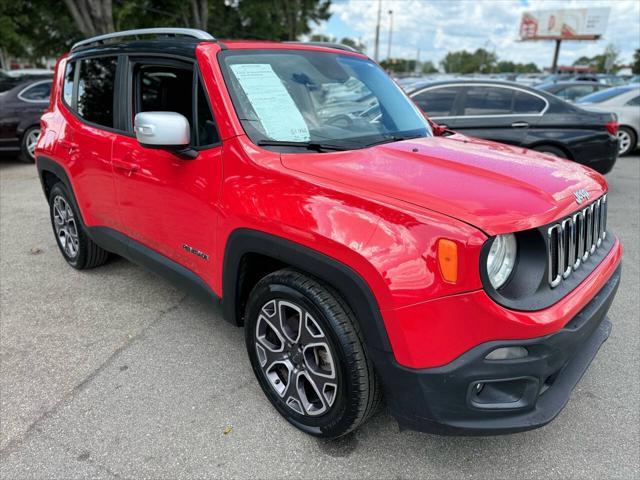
x: 495, y: 187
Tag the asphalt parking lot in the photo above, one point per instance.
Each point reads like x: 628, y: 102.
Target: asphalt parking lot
x: 113, y: 373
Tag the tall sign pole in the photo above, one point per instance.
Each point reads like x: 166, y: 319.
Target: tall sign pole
x: 556, y: 54
x: 376, y: 53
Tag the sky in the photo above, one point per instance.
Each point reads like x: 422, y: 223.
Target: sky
x: 438, y: 26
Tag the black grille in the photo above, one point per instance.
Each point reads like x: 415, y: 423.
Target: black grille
x: 573, y: 240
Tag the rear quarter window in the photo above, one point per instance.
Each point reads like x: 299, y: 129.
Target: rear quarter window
x: 67, y: 88
x: 37, y: 93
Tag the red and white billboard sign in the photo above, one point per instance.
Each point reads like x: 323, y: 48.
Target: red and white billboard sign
x: 571, y: 24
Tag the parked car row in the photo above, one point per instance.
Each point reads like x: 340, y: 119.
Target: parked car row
x: 489, y: 110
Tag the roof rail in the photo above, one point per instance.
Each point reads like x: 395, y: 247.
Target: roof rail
x: 187, y: 32
x: 338, y: 46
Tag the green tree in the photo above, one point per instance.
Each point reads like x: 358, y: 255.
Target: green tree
x: 609, y: 58
x: 43, y: 28
x: 398, y: 65
x: 480, y: 61
x: 506, y: 66
x: 31, y: 29
x: 428, y: 67
x: 279, y: 19
x: 635, y: 66
x: 350, y: 42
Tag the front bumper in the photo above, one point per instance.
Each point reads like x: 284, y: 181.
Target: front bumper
x: 517, y: 395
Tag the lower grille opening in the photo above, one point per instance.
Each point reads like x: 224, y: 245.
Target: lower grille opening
x: 549, y: 381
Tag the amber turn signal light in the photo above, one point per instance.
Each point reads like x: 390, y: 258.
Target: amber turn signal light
x: 448, y: 260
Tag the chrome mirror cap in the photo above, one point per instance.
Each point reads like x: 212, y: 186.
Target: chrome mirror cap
x: 162, y: 129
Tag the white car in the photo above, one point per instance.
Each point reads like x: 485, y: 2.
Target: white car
x: 624, y: 101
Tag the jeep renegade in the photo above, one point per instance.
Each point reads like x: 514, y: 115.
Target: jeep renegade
x: 365, y: 250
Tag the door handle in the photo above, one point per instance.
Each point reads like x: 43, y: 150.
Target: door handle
x: 519, y: 124
x: 127, y: 167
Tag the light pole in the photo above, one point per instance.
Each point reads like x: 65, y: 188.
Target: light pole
x: 390, y: 34
x: 377, y: 46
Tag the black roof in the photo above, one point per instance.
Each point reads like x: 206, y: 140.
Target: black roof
x: 180, y: 47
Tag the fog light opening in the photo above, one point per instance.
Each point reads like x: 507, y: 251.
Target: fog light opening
x: 507, y: 353
x: 477, y: 388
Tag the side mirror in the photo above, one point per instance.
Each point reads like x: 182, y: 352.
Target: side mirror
x: 165, y: 130
x: 438, y: 130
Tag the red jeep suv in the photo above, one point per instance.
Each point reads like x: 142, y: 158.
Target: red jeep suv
x: 366, y: 251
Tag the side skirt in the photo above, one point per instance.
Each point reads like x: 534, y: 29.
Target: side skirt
x: 183, y: 278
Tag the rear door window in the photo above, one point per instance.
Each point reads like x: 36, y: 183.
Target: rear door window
x: 96, y: 84
x: 487, y: 100
x: 438, y: 102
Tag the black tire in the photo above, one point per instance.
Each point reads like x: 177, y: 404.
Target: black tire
x: 26, y: 153
x: 357, y: 394
x: 632, y: 140
x: 551, y: 150
x: 81, y: 253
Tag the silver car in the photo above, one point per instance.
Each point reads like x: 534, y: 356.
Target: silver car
x: 624, y: 101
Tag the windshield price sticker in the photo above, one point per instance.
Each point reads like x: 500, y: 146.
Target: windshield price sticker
x: 272, y: 103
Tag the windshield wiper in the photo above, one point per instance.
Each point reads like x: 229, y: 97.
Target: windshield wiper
x: 316, y: 146
x: 393, y: 138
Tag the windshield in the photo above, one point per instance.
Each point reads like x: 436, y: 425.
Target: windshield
x: 604, y: 95
x: 308, y: 97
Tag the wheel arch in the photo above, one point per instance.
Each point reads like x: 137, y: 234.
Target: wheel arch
x: 551, y: 143
x: 51, y: 172
x: 270, y: 253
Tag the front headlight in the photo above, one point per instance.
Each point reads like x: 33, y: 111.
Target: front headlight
x: 501, y: 259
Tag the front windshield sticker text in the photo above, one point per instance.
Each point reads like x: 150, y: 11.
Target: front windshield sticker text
x: 276, y: 110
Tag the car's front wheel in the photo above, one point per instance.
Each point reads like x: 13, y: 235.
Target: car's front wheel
x: 308, y: 355
x: 626, y: 140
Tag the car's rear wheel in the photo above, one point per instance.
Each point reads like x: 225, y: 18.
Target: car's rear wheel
x: 307, y: 353
x: 75, y: 245
x: 28, y: 144
x: 551, y: 150
x: 626, y: 140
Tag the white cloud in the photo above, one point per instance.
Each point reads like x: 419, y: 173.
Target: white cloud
x: 439, y: 26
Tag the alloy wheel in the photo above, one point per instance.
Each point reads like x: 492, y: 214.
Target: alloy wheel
x: 624, y: 141
x: 65, y: 226
x: 296, y: 358
x: 31, y: 141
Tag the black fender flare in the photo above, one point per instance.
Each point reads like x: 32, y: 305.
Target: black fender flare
x: 340, y: 276
x: 46, y: 164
